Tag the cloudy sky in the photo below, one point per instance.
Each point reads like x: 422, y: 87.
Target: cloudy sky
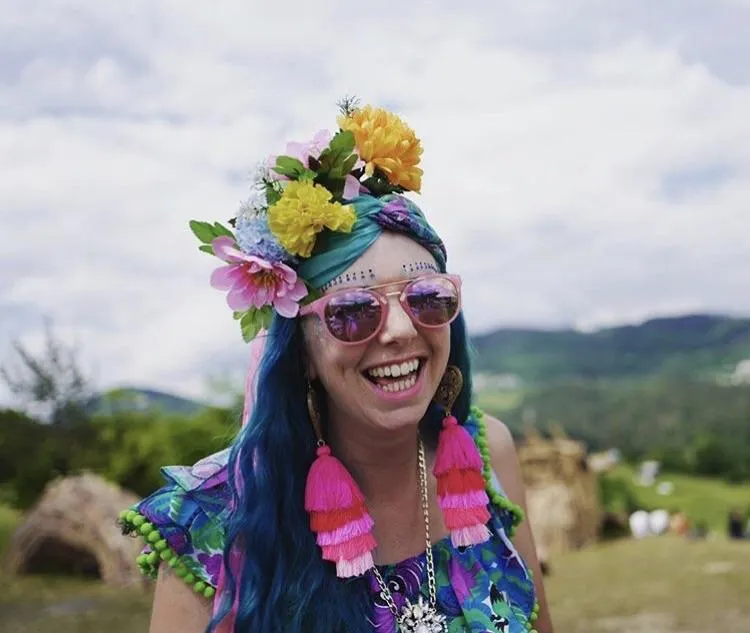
x: 588, y: 163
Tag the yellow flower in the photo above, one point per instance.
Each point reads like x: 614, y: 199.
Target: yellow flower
x: 386, y: 142
x: 303, y: 211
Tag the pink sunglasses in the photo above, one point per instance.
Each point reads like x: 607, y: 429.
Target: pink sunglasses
x: 355, y: 315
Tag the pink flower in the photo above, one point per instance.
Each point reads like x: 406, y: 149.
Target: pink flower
x: 314, y: 148
x: 255, y: 282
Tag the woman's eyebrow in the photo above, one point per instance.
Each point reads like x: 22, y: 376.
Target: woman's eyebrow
x: 419, y: 267
x: 363, y: 277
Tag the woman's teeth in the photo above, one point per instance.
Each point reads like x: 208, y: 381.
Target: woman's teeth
x: 394, y: 371
x: 396, y: 377
x: 401, y: 385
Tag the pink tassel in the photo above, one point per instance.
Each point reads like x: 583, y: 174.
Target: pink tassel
x: 356, y: 567
x: 329, y: 485
x: 335, y: 502
x: 350, y: 550
x: 457, y: 519
x: 347, y: 532
x: 465, y: 500
x: 465, y: 537
x: 456, y: 449
x: 461, y: 494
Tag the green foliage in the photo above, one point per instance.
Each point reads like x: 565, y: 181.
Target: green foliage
x: 701, y: 499
x: 693, y: 426
x: 126, y: 447
x: 207, y: 233
x: 292, y: 168
x: 689, y: 346
x: 255, y: 320
x: 335, y: 163
x: 9, y: 519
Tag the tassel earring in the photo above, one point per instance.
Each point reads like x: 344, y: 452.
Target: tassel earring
x: 458, y: 470
x: 338, y: 516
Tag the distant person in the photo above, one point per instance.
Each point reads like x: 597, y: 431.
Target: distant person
x: 735, y: 527
x: 699, y: 531
x: 658, y: 522
x: 419, y: 526
x: 679, y: 524
x: 638, y: 523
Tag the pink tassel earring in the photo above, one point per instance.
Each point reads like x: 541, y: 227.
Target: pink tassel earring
x: 458, y: 470
x: 338, y: 516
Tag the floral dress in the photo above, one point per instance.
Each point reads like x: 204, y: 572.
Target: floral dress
x: 486, y: 588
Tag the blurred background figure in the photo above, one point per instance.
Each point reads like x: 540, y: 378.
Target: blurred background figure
x: 658, y: 522
x: 735, y: 525
x: 639, y: 524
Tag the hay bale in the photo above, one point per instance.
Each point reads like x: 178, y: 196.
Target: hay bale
x: 73, y: 529
x: 561, y: 493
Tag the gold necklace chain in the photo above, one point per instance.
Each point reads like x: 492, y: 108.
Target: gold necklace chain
x: 431, y: 584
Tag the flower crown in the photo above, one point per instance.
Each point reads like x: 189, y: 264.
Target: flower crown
x: 296, y: 196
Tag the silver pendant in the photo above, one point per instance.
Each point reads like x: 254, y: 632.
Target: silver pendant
x: 421, y: 617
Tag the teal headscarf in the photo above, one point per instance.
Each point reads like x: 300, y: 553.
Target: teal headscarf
x: 335, y: 252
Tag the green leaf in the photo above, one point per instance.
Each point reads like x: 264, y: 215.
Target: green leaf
x: 338, y: 151
x: 379, y: 186
x: 255, y: 320
x: 237, y: 315
x: 349, y: 163
x: 221, y: 230
x: 266, y: 316
x: 343, y: 142
x: 307, y: 175
x: 203, y: 231
x: 272, y: 195
x: 289, y: 167
x: 206, y: 248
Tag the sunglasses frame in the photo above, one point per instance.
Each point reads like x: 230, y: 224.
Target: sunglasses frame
x: 318, y: 306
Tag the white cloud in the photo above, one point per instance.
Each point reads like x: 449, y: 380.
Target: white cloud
x: 586, y: 165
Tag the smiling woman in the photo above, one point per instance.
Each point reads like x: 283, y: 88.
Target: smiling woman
x: 364, y: 493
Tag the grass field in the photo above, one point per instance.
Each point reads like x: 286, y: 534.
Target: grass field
x: 659, y: 585
x: 702, y: 500
x: 8, y: 520
x: 496, y: 402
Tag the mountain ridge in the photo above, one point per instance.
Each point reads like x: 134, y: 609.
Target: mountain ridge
x: 689, y: 346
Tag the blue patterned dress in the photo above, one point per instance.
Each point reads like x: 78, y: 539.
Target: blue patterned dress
x: 482, y: 589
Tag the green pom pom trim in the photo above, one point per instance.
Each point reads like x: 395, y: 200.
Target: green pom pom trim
x: 533, y: 618
x: 499, y: 500
x: 133, y: 522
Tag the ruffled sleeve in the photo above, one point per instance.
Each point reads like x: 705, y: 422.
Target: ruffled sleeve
x: 182, y: 523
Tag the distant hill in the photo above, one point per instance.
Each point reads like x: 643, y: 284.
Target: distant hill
x: 685, y: 346
x: 134, y: 399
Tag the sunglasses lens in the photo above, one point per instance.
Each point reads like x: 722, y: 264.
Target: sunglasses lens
x: 433, y: 301
x: 353, y: 316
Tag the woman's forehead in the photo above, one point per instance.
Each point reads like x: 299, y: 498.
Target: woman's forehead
x: 391, y: 258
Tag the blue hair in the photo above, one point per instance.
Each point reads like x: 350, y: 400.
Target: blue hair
x: 285, y: 584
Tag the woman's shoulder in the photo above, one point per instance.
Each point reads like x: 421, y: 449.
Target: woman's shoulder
x: 501, y: 467
x: 182, y: 524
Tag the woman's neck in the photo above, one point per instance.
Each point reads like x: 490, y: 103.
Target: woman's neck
x: 380, y: 461
x: 385, y: 465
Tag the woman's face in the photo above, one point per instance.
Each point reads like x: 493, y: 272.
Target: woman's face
x: 359, y: 379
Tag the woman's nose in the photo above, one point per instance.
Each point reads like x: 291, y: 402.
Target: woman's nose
x: 398, y: 324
